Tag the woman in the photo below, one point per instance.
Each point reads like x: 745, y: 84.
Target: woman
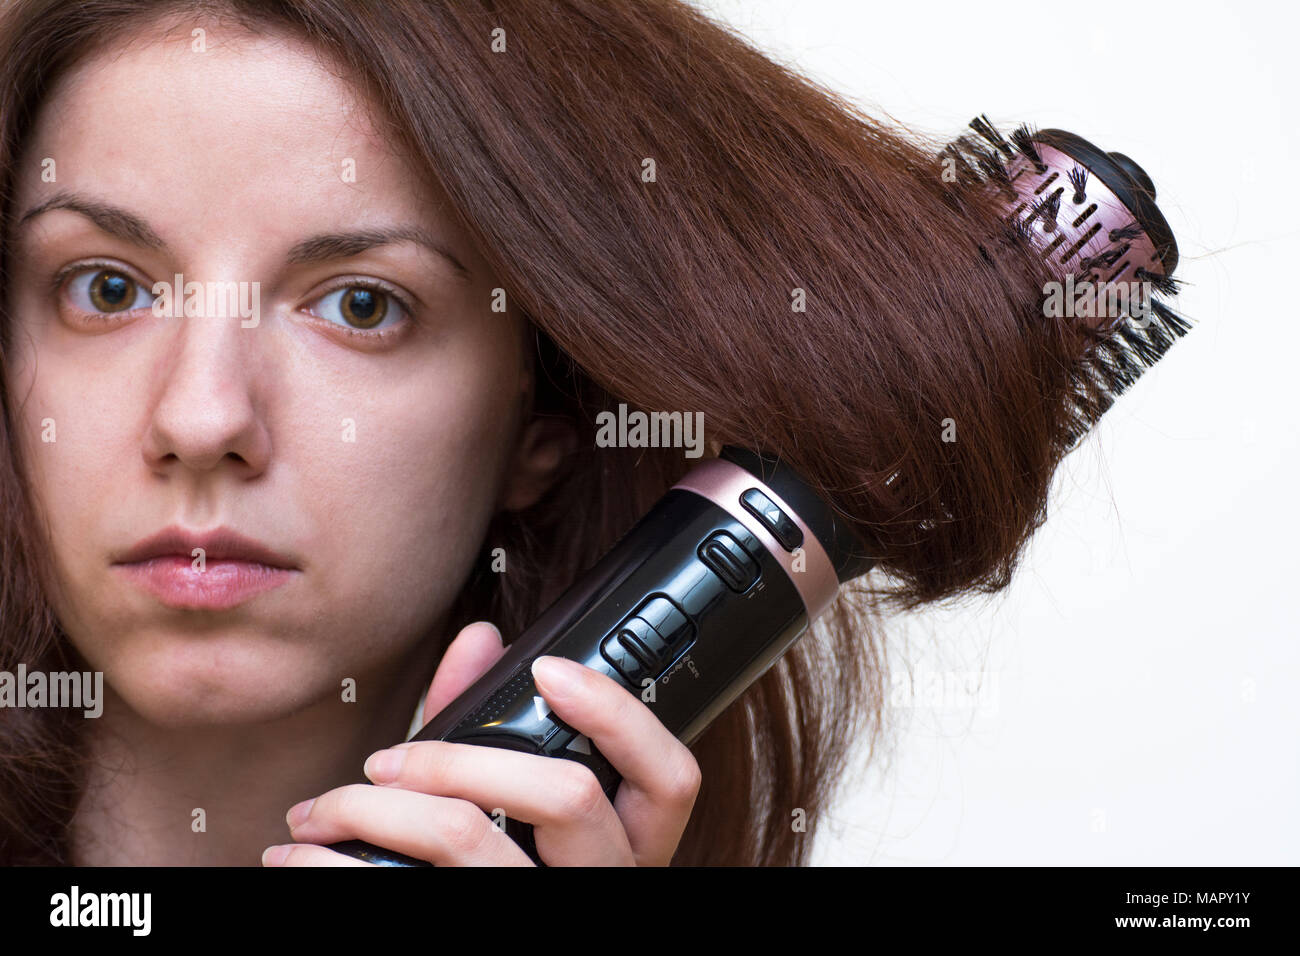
x: 458, y: 231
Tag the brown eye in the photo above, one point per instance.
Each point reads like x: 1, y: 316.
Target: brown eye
x: 111, y: 291
x: 362, y: 307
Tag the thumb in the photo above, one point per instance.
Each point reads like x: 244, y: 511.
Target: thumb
x: 476, y: 648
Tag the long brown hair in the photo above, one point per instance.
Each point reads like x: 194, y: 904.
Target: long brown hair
x: 677, y: 290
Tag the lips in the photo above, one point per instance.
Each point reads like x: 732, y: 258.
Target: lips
x: 220, y: 544
x: 229, y: 569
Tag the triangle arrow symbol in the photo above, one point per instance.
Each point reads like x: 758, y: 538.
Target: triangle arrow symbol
x: 539, y: 705
x: 581, y: 744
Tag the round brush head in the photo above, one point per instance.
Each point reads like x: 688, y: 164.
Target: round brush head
x: 1092, y: 216
x: 1090, y: 212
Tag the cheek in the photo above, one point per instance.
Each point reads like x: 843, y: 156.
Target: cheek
x: 402, y: 494
x: 64, y: 436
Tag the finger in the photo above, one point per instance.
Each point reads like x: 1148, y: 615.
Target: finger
x: 443, y: 830
x: 475, y: 649
x: 661, y: 778
x: 304, y: 854
x: 574, y: 824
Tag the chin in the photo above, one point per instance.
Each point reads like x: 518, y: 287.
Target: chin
x: 176, y: 682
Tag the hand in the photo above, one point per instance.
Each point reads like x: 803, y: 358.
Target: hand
x: 430, y: 802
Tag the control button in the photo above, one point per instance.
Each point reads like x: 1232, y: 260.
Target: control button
x: 635, y: 650
x: 560, y: 741
x: 622, y: 659
x: 648, y: 640
x: 643, y: 641
x: 773, y: 518
x: 570, y: 744
x: 671, y: 631
x: 725, y: 557
x: 668, y: 620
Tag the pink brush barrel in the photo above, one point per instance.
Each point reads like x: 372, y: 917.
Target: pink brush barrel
x: 1093, y: 216
x: 1083, y: 230
x: 1091, y: 213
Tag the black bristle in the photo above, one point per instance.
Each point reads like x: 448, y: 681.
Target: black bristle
x: 1051, y: 206
x: 1104, y: 260
x: 1116, y: 361
x: 990, y: 162
x: 1155, y: 341
x: 1122, y: 368
x: 964, y: 144
x: 981, y: 125
x: 951, y: 152
x: 995, y: 173
x: 1171, y: 320
x: 1089, y: 402
x: 967, y: 175
x: 1165, y: 285
x: 977, y: 163
x: 1138, y: 344
x: 1115, y: 378
x: 1078, y: 179
x: 1023, y: 137
x: 1131, y: 231
x: 1046, y: 209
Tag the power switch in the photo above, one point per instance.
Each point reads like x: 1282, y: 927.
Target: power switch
x: 724, y: 556
x: 773, y: 518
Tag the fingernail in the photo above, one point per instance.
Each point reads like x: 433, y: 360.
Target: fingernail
x: 274, y: 855
x: 299, y: 811
x: 383, y: 765
x: 559, y: 674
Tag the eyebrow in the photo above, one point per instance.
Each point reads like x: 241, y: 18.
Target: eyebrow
x: 127, y: 226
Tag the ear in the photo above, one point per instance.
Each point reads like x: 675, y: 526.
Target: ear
x: 544, y: 443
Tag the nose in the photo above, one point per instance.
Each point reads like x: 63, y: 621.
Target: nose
x: 207, y: 410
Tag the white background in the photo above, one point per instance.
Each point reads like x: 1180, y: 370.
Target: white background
x: 1140, y: 698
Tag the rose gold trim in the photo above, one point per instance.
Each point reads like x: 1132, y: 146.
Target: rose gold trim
x: 723, y: 482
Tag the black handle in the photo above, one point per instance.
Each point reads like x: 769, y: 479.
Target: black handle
x: 687, y: 610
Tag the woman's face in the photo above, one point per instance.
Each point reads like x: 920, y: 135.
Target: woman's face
x: 370, y: 450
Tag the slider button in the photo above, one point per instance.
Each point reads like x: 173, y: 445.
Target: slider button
x: 725, y: 557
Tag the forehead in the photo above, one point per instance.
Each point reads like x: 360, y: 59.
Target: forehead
x: 235, y: 122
